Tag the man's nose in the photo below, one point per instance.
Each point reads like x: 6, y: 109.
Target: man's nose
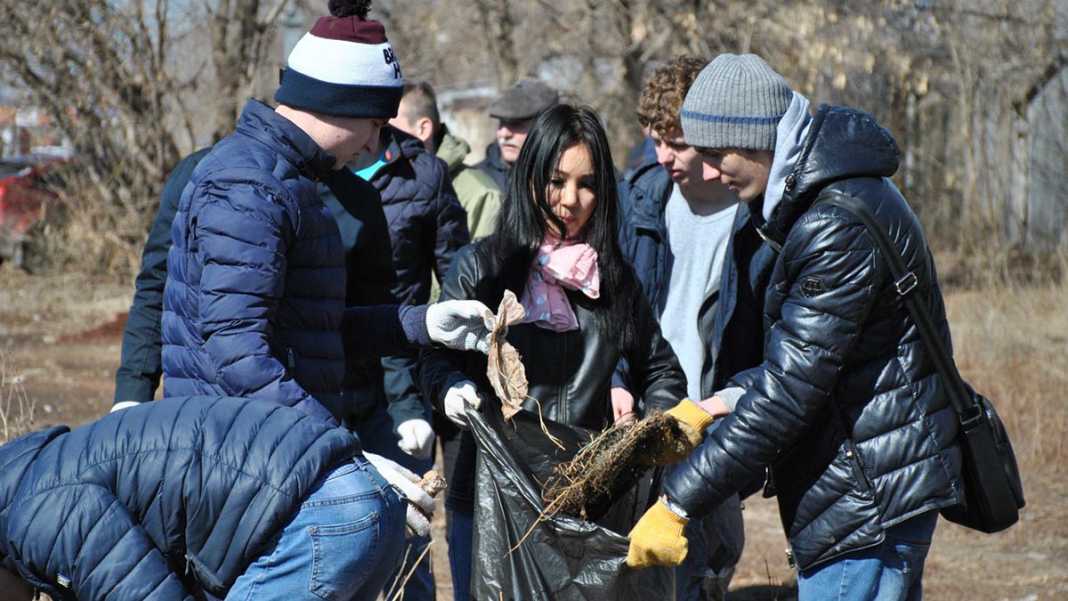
x: 710, y: 171
x: 665, y: 156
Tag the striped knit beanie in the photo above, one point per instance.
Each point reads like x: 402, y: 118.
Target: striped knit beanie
x: 735, y: 102
x: 344, y: 67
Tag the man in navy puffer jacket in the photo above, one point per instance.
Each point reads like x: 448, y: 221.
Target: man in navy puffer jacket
x: 172, y: 500
x: 254, y: 304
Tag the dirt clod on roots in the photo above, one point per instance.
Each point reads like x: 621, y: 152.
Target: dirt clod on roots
x: 610, y: 464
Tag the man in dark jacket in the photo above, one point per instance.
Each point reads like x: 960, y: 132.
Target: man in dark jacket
x: 515, y: 110
x: 254, y: 303
x: 427, y: 226
x: 480, y: 197
x: 223, y: 496
x: 846, y: 407
x: 675, y: 235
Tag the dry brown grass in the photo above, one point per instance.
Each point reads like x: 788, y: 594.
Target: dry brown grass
x: 1012, y: 345
x: 17, y: 409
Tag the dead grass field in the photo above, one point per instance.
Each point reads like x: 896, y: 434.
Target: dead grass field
x: 59, y: 346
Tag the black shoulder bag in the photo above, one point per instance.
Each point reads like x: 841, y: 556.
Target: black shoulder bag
x: 993, y: 492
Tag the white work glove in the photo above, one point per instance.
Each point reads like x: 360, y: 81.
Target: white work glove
x: 416, y: 438
x: 123, y: 405
x: 420, y: 504
x: 462, y: 396
x: 463, y: 325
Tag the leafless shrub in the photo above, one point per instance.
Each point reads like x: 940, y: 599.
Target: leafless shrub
x: 17, y: 409
x: 128, y: 85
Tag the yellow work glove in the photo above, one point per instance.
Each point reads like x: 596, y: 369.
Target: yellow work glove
x: 692, y: 420
x: 657, y: 539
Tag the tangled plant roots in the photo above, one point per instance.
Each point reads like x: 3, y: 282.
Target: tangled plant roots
x: 610, y: 464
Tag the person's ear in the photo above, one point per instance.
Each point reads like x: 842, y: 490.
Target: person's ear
x: 424, y: 129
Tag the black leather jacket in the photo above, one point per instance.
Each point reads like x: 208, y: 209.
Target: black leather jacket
x: 569, y: 373
x: 846, y: 408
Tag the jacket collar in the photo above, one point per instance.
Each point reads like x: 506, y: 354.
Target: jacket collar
x: 451, y: 149
x: 650, y: 187
x: 261, y: 123
x: 493, y: 158
x: 399, y: 145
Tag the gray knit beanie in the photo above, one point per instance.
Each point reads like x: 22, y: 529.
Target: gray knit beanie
x: 735, y: 102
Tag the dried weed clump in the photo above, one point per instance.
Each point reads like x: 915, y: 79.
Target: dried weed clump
x: 610, y: 464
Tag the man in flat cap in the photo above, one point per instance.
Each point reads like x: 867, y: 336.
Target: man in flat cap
x: 514, y: 110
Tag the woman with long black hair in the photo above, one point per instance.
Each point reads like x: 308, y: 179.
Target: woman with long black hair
x: 555, y: 247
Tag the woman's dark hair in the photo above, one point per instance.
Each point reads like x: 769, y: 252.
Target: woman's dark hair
x: 526, y: 214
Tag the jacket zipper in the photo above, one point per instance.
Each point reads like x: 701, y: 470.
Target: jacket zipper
x: 857, y: 465
x: 292, y: 358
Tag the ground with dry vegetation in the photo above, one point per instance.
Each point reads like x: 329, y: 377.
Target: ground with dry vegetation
x: 59, y: 346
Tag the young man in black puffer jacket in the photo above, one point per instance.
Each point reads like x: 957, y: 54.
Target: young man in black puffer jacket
x: 845, y: 406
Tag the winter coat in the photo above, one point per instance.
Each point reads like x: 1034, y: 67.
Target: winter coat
x: 495, y: 167
x: 140, y: 367
x: 254, y: 304
x: 426, y: 227
x: 569, y: 373
x: 476, y: 191
x: 370, y: 279
x: 154, y: 502
x: 846, y: 406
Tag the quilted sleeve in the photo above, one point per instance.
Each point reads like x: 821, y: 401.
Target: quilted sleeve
x: 82, y: 539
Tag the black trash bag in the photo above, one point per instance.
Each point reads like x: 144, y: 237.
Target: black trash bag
x: 562, y: 558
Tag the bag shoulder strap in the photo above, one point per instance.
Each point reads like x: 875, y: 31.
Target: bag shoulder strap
x: 905, y: 283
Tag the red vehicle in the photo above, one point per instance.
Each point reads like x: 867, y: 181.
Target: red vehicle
x: 24, y: 197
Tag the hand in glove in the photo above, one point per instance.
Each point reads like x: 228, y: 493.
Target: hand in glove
x: 657, y: 538
x: 420, y: 504
x: 462, y: 396
x: 692, y: 420
x: 416, y: 438
x: 463, y: 325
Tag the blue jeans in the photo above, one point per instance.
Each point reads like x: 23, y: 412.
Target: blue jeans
x: 893, y: 571
x: 378, y: 435
x: 460, y: 536
x: 715, y: 545
x: 341, y: 544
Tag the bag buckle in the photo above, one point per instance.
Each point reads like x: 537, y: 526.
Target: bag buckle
x: 966, y: 423
x: 906, y: 284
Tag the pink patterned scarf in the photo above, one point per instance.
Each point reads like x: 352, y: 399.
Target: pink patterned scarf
x: 559, y: 265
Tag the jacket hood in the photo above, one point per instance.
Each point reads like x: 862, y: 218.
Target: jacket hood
x: 453, y: 150
x: 259, y: 122
x: 842, y: 143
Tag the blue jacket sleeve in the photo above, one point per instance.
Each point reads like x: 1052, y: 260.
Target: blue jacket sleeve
x: 104, y: 553
x: 242, y: 234
x: 139, y: 372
